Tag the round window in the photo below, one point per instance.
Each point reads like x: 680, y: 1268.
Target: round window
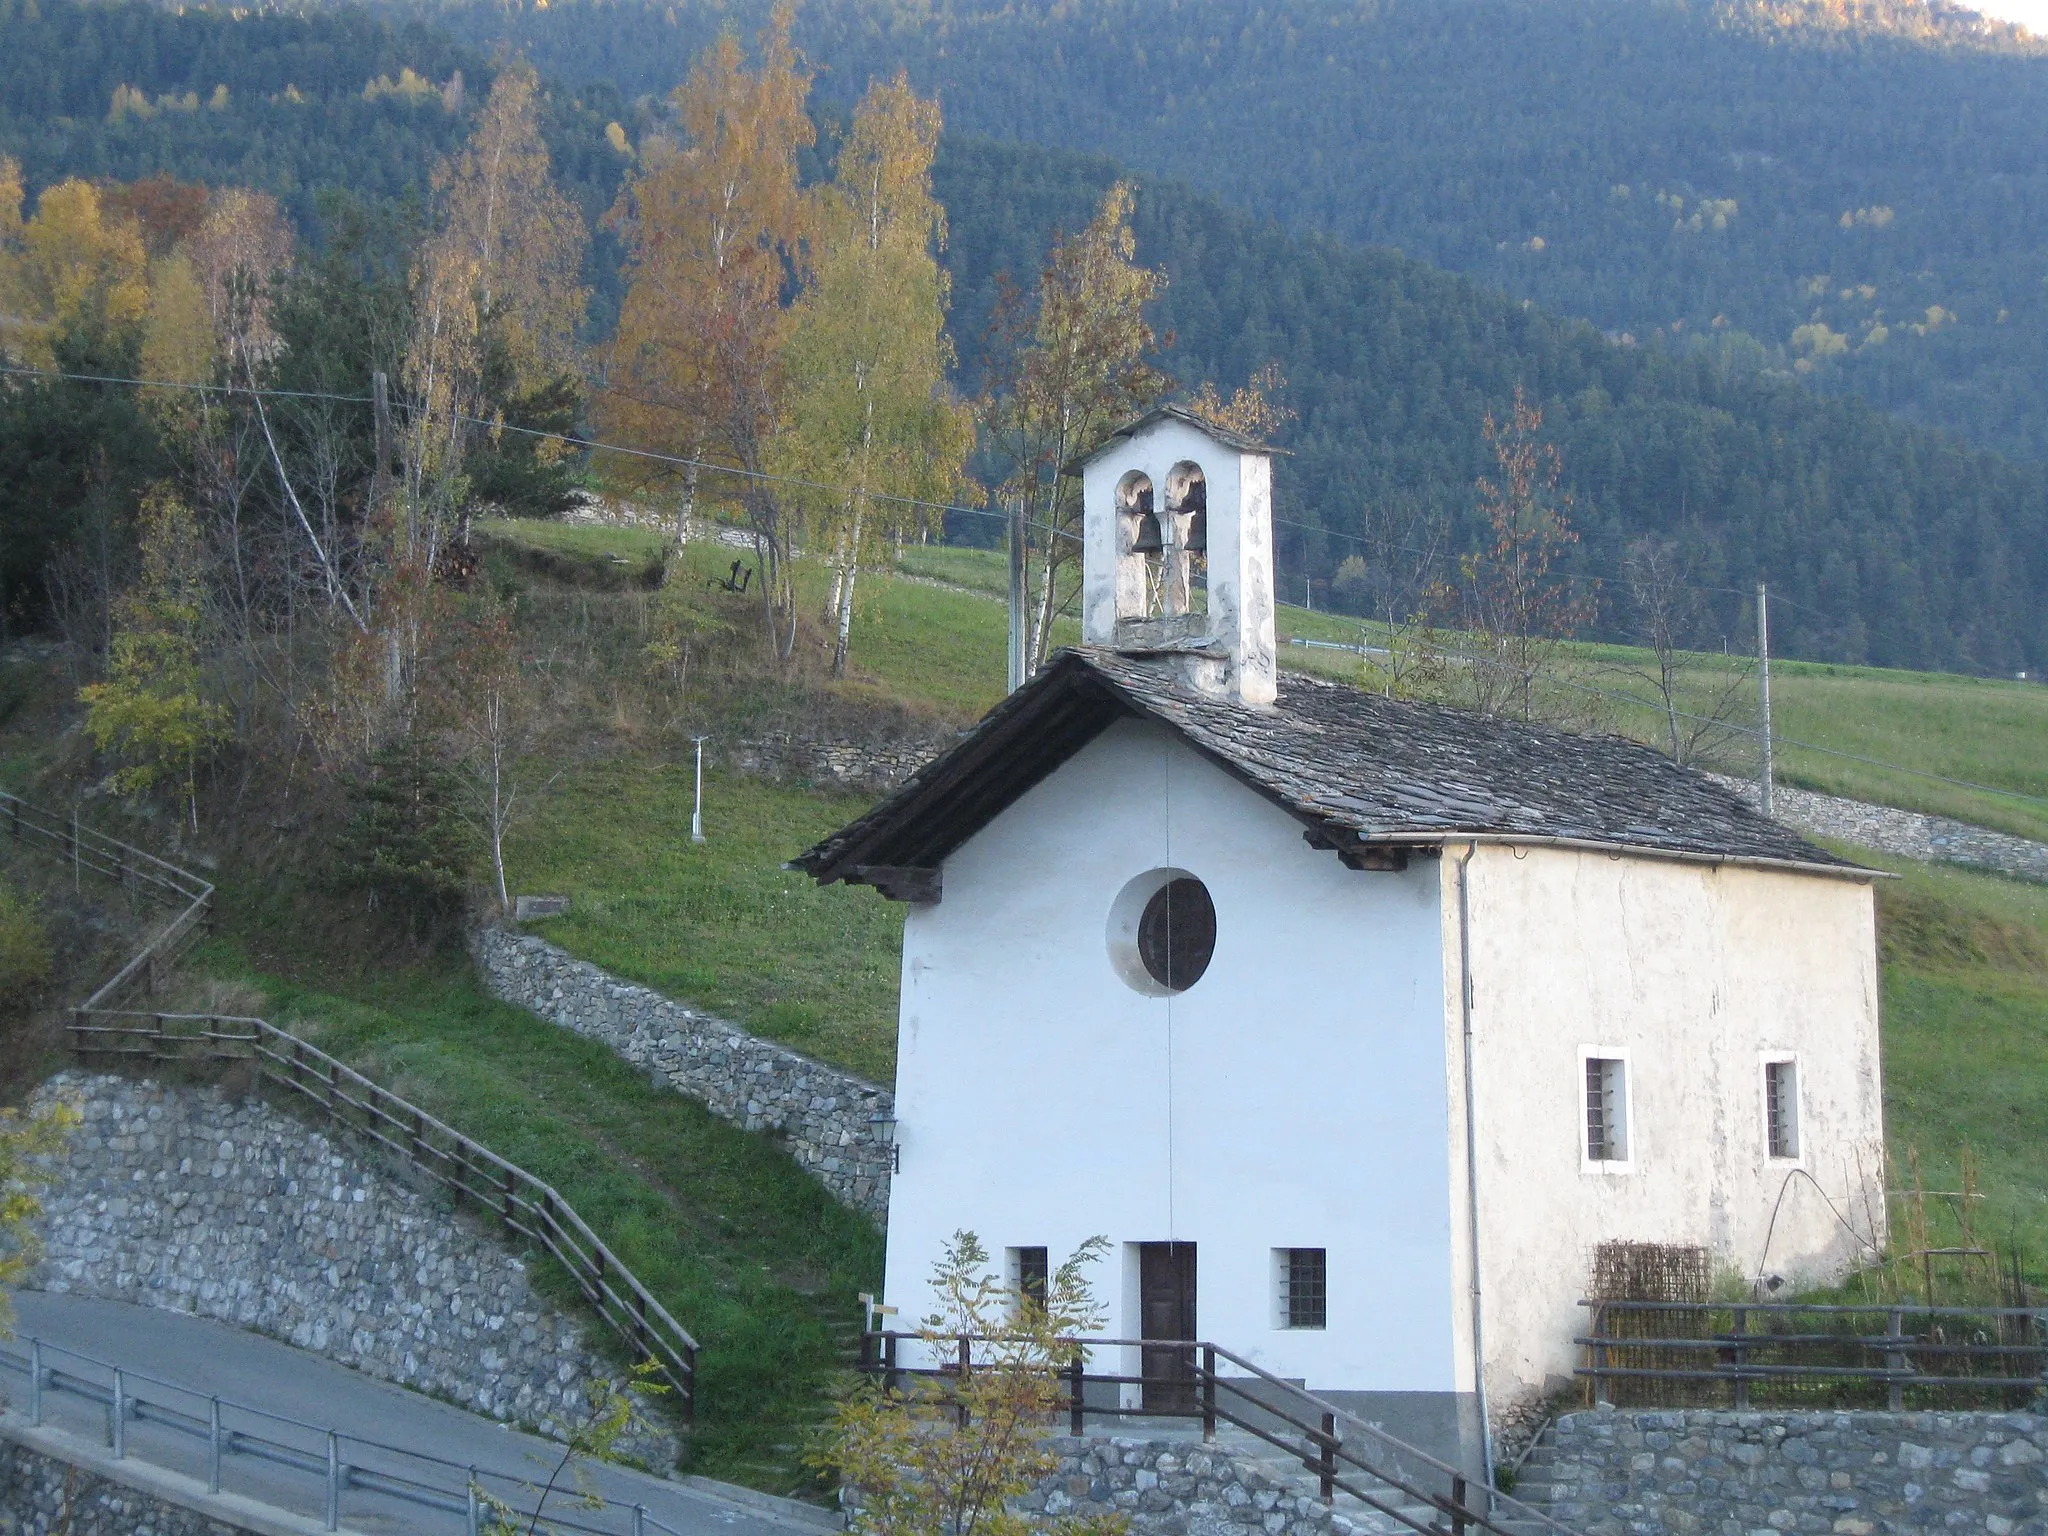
x: 1162, y: 932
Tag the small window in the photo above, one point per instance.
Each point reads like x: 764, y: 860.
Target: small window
x: 1029, y: 1274
x: 1177, y: 934
x: 1781, y: 1107
x: 1304, y: 1275
x: 1606, y: 1109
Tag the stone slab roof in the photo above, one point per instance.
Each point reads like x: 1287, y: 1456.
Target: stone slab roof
x: 1359, y: 771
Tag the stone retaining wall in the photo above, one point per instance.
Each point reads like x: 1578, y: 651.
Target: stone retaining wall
x: 1909, y: 834
x: 849, y: 761
x: 826, y: 1118
x: 187, y: 1199
x: 41, y: 1496
x: 1718, y: 1473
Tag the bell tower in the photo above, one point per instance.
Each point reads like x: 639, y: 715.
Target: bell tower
x: 1177, y: 553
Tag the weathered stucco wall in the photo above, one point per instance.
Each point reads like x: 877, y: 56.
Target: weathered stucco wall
x: 188, y: 1199
x: 1701, y: 1473
x: 830, y: 1121
x: 1694, y: 974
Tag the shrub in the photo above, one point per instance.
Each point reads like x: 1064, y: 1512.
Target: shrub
x: 24, y: 951
x: 405, y: 847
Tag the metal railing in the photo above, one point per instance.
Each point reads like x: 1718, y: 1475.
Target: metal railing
x: 1183, y: 1379
x: 469, y: 1170
x: 341, y: 1461
x: 1747, y: 1353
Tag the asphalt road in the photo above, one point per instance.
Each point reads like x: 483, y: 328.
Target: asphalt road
x: 290, y: 1399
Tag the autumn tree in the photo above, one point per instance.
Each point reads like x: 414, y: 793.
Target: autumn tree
x: 714, y: 228
x: 151, y: 712
x: 1699, y: 697
x: 1065, y: 373
x: 950, y: 1456
x: 1254, y: 409
x: 28, y: 1142
x: 71, y: 264
x: 869, y: 413
x: 1515, y: 611
x: 492, y: 701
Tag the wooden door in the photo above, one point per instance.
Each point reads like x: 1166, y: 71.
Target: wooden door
x: 1166, y: 1310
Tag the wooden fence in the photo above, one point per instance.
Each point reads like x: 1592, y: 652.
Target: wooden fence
x: 1782, y: 1354
x: 471, y: 1172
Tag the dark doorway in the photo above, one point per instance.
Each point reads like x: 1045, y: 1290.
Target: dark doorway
x: 1166, y: 1310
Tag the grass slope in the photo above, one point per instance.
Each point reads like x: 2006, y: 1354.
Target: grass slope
x: 748, y: 1253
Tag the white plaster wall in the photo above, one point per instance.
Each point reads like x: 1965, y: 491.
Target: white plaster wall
x: 1294, y: 1097
x: 1696, y: 972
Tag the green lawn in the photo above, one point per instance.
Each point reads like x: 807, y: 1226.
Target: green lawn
x: 720, y: 924
x: 747, y: 1252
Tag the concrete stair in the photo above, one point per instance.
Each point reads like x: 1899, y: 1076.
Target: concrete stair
x: 1348, y: 1514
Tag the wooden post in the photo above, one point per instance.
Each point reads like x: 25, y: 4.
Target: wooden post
x: 419, y: 1138
x: 889, y: 1374
x: 966, y: 1360
x: 1602, y: 1397
x: 1208, y: 1391
x: 510, y: 1182
x: 1077, y: 1395
x: 1326, y: 1463
x: 1895, y: 1361
x: 1460, y: 1522
x: 1741, y: 1358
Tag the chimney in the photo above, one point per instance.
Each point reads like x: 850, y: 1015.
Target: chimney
x: 1177, y: 551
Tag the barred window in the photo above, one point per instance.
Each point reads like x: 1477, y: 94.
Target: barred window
x: 1029, y: 1273
x: 1606, y: 1109
x: 1304, y: 1287
x: 1781, y: 1107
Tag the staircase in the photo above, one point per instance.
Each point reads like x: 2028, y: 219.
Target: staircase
x: 1293, y: 1479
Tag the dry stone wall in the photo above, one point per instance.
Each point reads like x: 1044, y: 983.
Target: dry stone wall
x: 40, y: 1496
x: 1908, y: 834
x: 1716, y: 1473
x: 189, y: 1199
x: 833, y: 1123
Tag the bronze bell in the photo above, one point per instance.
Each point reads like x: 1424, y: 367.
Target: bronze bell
x: 1198, y: 533
x: 1147, y: 541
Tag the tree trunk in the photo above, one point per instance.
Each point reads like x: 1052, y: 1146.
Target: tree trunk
x: 687, y: 508
x: 849, y: 572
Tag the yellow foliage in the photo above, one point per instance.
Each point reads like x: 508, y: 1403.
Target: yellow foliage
x: 150, y: 712
x: 615, y: 136
x: 1819, y: 340
x: 70, y: 265
x: 177, y: 338
x: 409, y: 88
x: 951, y: 1456
x: 26, y: 1144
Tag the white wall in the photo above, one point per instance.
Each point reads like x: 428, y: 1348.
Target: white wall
x: 1294, y: 1096
x: 1696, y: 972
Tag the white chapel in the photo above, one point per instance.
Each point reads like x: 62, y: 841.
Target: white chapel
x: 1354, y: 1024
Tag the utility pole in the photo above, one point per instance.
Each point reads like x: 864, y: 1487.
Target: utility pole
x: 1763, y: 681
x: 1016, y: 673
x: 697, y: 808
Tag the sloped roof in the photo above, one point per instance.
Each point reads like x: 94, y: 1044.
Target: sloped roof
x: 1354, y: 768
x: 1181, y: 413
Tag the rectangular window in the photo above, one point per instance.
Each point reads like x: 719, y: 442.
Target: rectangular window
x: 1304, y: 1275
x: 1029, y: 1273
x: 1781, y: 1107
x: 1606, y: 1109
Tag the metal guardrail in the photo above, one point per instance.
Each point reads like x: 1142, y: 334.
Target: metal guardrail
x: 335, y: 1457
x: 1183, y: 1379
x: 468, y: 1169
x: 1951, y: 1352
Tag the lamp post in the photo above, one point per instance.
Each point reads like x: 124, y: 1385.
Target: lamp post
x: 697, y: 807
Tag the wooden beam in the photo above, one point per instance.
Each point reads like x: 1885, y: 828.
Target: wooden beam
x: 1357, y: 852
x: 899, y: 882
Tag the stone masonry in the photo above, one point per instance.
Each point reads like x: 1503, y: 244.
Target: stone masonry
x: 1718, y: 1473
x: 1168, y: 1487
x: 1909, y: 834
x: 184, y: 1198
x: 40, y: 1496
x: 830, y: 1121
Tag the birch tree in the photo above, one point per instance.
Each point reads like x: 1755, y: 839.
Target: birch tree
x: 869, y: 409
x: 714, y: 228
x: 1067, y: 372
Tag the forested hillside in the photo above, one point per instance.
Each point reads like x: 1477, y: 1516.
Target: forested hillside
x: 1864, y: 205
x: 1893, y: 545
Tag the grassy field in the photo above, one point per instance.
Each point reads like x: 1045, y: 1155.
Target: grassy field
x: 722, y: 923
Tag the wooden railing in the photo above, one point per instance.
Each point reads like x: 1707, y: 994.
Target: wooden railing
x: 470, y: 1171
x: 1752, y: 1354
x: 1186, y: 1379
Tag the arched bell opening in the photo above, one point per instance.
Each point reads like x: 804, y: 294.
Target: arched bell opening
x: 1141, y: 546
x: 1187, y: 511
